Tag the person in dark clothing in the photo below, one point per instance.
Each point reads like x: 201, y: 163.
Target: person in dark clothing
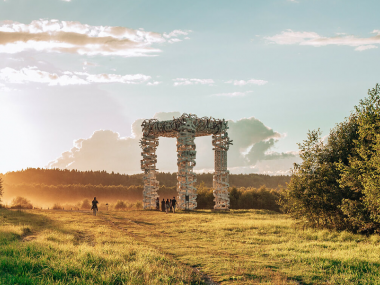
x: 171, y: 205
x: 158, y: 204
x: 163, y: 205
x: 174, y: 202
x: 94, y: 207
x: 167, y: 205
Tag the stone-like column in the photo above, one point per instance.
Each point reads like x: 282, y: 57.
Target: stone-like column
x: 221, y: 144
x: 186, y: 161
x: 149, y: 145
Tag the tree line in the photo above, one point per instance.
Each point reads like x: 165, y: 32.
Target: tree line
x: 65, y: 176
x: 241, y: 198
x: 337, y: 184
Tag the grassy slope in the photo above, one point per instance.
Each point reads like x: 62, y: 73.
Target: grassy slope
x: 144, y: 247
x: 57, y: 247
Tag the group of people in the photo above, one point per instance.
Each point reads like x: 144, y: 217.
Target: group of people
x: 166, y: 206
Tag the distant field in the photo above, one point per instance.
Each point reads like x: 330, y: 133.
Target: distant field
x: 147, y: 247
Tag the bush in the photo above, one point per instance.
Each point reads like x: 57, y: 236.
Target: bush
x: 1, y: 188
x: 120, y: 205
x: 139, y: 205
x: 57, y: 206
x: 85, y: 205
x: 21, y: 203
x: 242, y: 198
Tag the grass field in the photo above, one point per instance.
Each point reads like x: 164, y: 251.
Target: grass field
x: 147, y: 247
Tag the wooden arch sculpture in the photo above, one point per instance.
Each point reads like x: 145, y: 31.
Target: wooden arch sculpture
x: 185, y: 129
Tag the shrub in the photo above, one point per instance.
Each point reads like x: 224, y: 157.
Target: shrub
x: 85, y: 205
x: 120, y: 205
x: 21, y: 203
x: 139, y: 205
x: 1, y: 188
x: 57, y: 206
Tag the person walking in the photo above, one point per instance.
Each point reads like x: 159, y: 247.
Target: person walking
x: 167, y: 205
x: 158, y: 204
x: 174, y: 202
x: 94, y: 207
x: 163, y: 205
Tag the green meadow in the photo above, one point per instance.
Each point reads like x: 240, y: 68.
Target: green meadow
x: 200, y: 247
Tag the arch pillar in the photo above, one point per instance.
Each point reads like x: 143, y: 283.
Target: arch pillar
x: 187, y: 193
x: 221, y: 144
x: 149, y: 145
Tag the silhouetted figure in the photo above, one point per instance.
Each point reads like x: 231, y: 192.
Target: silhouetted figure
x: 171, y: 205
x: 167, y: 205
x: 158, y: 204
x: 163, y: 205
x: 174, y: 202
x: 94, y: 207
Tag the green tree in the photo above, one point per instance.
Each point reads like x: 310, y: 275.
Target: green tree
x: 362, y: 172
x: 1, y: 188
x: 337, y: 183
x: 311, y: 194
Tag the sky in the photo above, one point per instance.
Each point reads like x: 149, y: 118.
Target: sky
x: 78, y: 77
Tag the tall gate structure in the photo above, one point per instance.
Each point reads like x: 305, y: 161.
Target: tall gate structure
x: 185, y: 129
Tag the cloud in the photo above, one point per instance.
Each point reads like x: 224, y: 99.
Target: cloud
x: 260, y: 151
x: 112, y: 78
x: 4, y: 88
x: 32, y: 74
x: 192, y: 81
x: 154, y: 83
x: 361, y: 48
x: 290, y: 37
x: 75, y: 37
x: 233, y: 94
x: 250, y: 82
x: 176, y: 33
x: 106, y: 150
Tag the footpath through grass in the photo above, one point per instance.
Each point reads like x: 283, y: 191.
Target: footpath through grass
x: 256, y: 246
x: 147, y: 247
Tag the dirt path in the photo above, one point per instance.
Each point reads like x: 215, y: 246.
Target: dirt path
x: 111, y: 221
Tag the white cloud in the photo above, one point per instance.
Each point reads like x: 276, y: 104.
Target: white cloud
x: 289, y: 37
x: 109, y: 78
x: 176, y: 33
x: 154, y: 83
x: 106, y: 150
x: 4, y: 88
x: 174, y: 41
x: 75, y: 37
x: 192, y: 81
x: 32, y: 74
x: 250, y: 82
x: 233, y: 94
x: 361, y: 48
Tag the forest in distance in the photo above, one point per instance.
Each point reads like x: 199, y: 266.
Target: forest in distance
x: 48, y: 187
x: 69, y: 177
